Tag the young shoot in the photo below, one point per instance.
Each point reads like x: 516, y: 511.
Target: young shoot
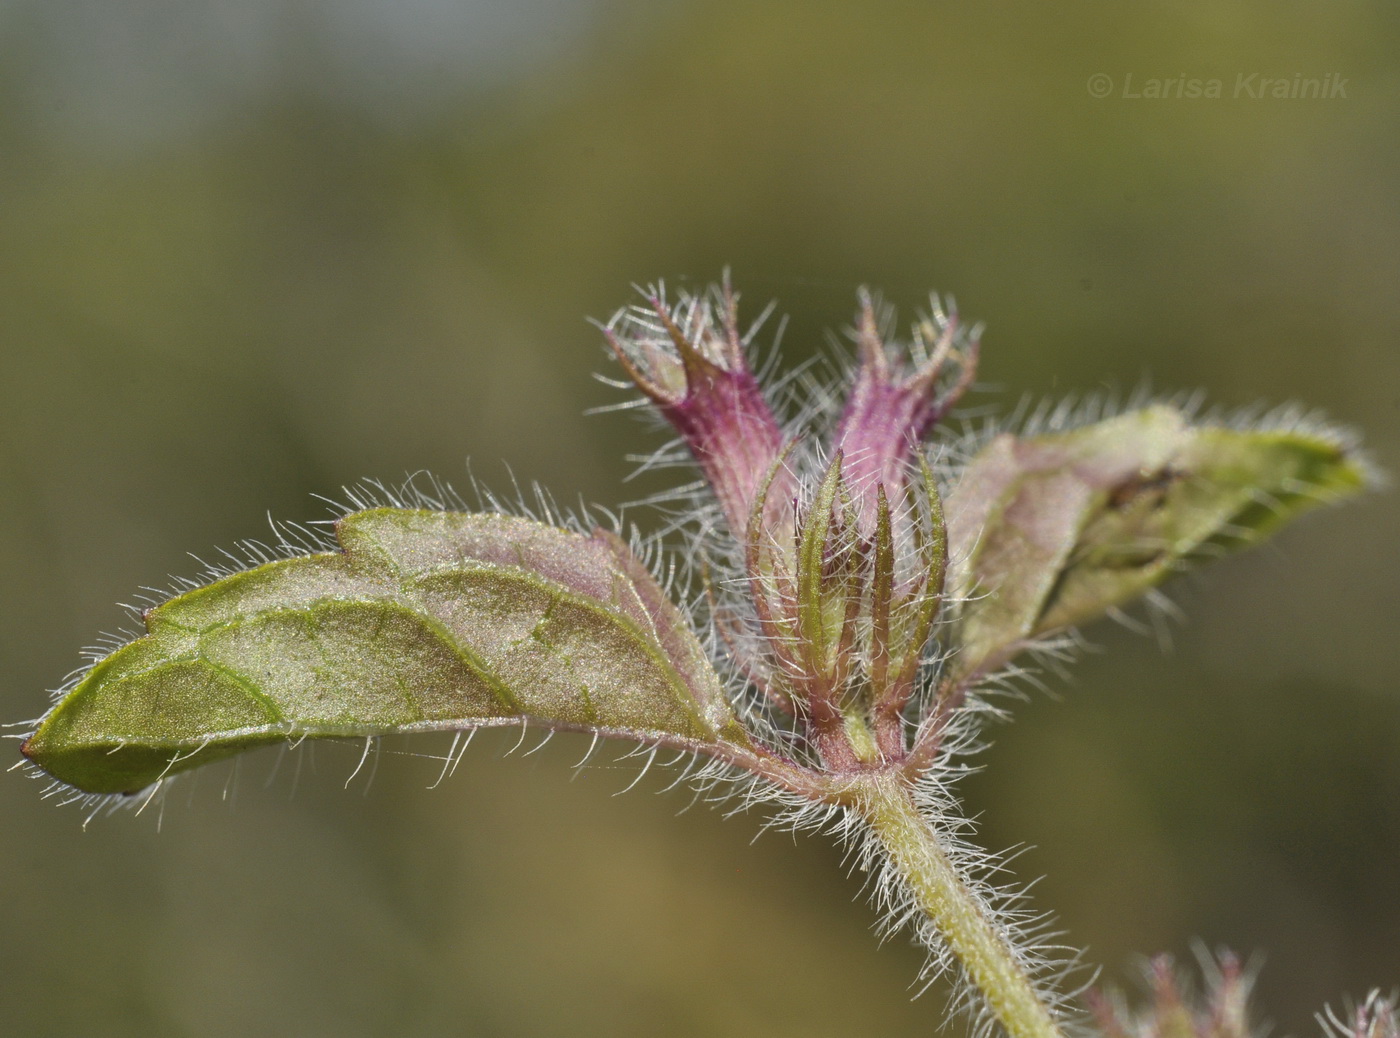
x: 856, y: 581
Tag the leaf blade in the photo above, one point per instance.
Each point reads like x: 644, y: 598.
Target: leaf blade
x: 421, y: 620
x: 1053, y: 531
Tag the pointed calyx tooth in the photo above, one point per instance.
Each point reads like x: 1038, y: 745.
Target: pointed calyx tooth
x: 688, y: 359
x: 924, y: 596
x: 871, y: 347
x: 821, y: 602
x: 881, y: 593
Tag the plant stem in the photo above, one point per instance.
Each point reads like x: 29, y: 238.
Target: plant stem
x: 992, y: 964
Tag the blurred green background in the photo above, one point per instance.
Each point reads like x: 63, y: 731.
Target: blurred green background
x: 255, y: 250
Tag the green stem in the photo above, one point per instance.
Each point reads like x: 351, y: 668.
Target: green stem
x: 960, y: 916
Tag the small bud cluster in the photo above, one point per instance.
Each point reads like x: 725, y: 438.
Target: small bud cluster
x: 843, y: 563
x: 1172, y: 1011
x: 1377, y: 1017
x: 1222, y: 1011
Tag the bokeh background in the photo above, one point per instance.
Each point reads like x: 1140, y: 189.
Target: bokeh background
x: 252, y: 250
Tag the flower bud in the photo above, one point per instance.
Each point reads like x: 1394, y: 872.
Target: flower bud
x: 689, y: 361
x: 889, y: 412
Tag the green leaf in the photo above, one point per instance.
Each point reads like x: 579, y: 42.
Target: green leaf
x: 1052, y: 531
x: 423, y: 621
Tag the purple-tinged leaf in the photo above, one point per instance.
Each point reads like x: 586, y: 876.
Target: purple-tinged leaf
x: 423, y: 621
x: 1051, y: 531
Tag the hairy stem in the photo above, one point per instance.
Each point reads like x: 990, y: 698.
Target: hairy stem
x: 961, y: 918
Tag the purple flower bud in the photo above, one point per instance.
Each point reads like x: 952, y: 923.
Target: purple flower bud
x: 689, y: 360
x: 888, y: 412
